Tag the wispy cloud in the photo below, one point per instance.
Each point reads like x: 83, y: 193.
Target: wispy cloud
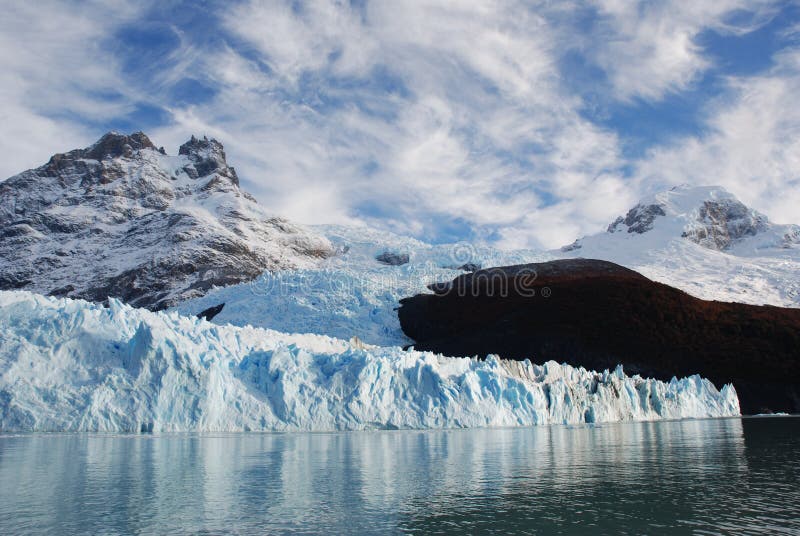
x: 649, y: 49
x: 447, y: 120
x: 751, y: 143
x: 57, y: 79
x: 424, y: 118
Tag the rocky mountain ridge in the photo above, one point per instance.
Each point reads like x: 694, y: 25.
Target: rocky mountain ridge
x: 121, y: 218
x: 705, y: 241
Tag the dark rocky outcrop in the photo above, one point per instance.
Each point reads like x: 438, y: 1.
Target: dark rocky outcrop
x: 639, y: 219
x: 206, y: 157
x: 470, y: 267
x: 114, y: 144
x: 211, y: 312
x: 392, y: 259
x: 597, y: 314
x: 722, y: 222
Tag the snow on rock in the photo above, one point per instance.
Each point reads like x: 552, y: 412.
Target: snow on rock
x: 73, y: 365
x: 709, y: 216
x: 352, y: 293
x: 124, y: 219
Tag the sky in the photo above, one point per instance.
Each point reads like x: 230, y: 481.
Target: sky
x: 520, y: 124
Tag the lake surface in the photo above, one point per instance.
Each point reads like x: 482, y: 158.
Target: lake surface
x: 703, y: 477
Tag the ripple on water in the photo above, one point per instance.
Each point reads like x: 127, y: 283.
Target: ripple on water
x: 706, y: 477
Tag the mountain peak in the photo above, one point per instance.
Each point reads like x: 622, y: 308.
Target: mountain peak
x: 196, y: 145
x: 155, y: 228
x: 114, y: 144
x: 710, y: 216
x: 685, y: 198
x: 207, y: 156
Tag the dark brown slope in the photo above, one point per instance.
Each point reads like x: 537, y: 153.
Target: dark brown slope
x: 599, y: 314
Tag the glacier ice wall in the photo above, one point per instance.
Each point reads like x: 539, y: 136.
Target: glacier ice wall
x: 72, y: 365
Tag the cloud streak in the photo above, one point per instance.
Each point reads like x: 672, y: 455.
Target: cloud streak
x: 649, y: 49
x: 446, y: 120
x: 751, y: 145
x: 54, y: 74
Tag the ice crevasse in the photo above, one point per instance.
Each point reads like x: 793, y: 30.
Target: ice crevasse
x: 70, y: 365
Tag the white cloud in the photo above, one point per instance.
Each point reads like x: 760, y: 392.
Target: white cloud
x: 752, y: 145
x: 296, y: 38
x: 649, y: 49
x: 54, y: 67
x: 415, y: 116
x: 479, y: 129
x: 486, y: 130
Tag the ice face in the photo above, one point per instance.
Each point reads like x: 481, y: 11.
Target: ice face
x: 72, y: 365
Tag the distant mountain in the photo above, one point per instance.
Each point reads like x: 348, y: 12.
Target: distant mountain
x: 709, y: 216
x: 704, y: 241
x: 122, y: 218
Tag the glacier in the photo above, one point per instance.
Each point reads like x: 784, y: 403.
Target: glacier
x: 351, y: 293
x: 71, y: 365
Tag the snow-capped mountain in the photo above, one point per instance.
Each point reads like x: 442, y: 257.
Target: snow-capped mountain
x: 706, y: 242
x: 708, y: 216
x: 122, y: 218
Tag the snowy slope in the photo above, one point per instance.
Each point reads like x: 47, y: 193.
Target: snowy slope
x: 705, y: 242
x: 122, y: 218
x: 74, y: 365
x: 351, y: 293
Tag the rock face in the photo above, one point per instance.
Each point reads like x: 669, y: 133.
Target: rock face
x: 597, y: 314
x: 705, y: 241
x: 720, y: 223
x: 639, y: 219
x: 211, y: 312
x: 392, y: 259
x: 123, y: 219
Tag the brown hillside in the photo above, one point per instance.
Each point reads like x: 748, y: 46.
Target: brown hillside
x: 599, y: 314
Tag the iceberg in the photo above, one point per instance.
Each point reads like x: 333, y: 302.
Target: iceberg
x: 70, y: 365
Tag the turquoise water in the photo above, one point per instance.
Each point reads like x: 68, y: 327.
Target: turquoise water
x: 710, y: 476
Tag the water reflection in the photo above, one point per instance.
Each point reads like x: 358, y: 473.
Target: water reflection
x: 696, y: 476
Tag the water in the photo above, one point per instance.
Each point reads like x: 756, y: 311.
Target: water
x: 711, y: 476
